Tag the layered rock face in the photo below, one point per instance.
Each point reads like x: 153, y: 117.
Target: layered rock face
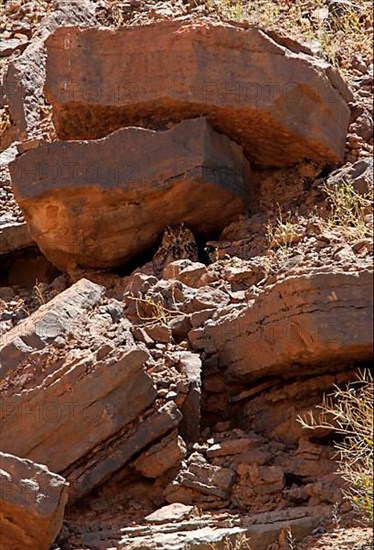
x: 310, y: 318
x: 32, y: 504
x: 281, y: 105
x: 85, y: 207
x: 167, y: 401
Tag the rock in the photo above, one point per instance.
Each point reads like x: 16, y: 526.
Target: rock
x: 172, y: 270
x: 190, y: 364
x: 228, y: 447
x: 161, y: 457
x: 23, y: 84
x: 171, y: 512
x: 363, y: 126
x: 158, y: 333
x: 176, y: 82
x: 73, y: 397
x: 305, y: 319
x: 189, y: 273
x: 13, y: 237
x: 205, y: 298
x: 205, y: 530
x: 360, y: 174
x: 106, y: 461
x: 180, y: 327
x: 256, y: 483
x: 205, y: 483
x: 32, y: 504
x: 8, y: 47
x: 119, y: 209
x: 59, y: 316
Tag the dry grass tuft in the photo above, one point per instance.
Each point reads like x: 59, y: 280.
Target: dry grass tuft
x: 349, y: 412
x: 349, y: 210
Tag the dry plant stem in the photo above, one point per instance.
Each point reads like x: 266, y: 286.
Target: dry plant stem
x: 349, y: 412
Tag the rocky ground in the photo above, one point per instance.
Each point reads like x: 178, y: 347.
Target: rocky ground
x: 165, y: 404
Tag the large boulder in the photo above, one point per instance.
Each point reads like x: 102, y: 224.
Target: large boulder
x: 32, y: 502
x: 280, y: 104
x: 99, y: 203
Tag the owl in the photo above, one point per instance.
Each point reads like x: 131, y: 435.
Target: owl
x: 178, y: 243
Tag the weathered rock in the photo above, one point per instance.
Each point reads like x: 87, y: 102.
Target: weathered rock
x: 359, y: 175
x: 13, y: 237
x: 57, y: 317
x: 23, y: 86
x: 189, y: 273
x: 161, y: 457
x: 281, y: 106
x: 260, y: 530
x: 158, y: 333
x: 104, y: 462
x: 74, y: 397
x: 203, y: 481
x: 172, y: 512
x: 32, y: 504
x: 123, y: 208
x: 257, y: 484
x: 228, y: 447
x: 7, y: 47
x: 305, y: 319
x: 190, y: 365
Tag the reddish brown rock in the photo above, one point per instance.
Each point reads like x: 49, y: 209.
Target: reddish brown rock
x: 305, y: 319
x: 99, y: 203
x: 258, y: 484
x: 282, y: 106
x: 72, y: 397
x: 32, y: 502
x: 162, y: 456
x: 14, y: 236
x: 106, y: 460
x: 170, y: 513
x: 23, y: 85
x: 59, y: 316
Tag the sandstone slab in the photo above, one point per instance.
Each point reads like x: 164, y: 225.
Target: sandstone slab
x: 302, y: 320
x: 99, y: 203
x: 23, y: 84
x: 74, y: 397
x: 59, y: 316
x: 260, y: 530
x: 13, y: 237
x: 103, y: 462
x: 32, y: 504
x: 161, y: 457
x: 281, y: 105
x: 171, y: 512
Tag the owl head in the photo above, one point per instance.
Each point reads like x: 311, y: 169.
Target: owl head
x: 177, y: 234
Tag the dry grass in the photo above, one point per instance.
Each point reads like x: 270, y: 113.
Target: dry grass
x: 349, y: 210
x: 151, y: 310
x: 339, y: 36
x: 282, y: 234
x: 349, y: 412
x: 4, y: 120
x: 241, y: 543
